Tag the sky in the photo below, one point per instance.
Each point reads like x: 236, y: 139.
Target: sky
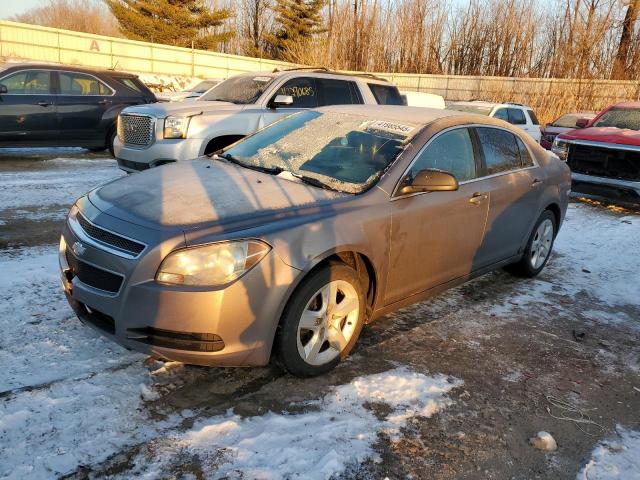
x: 8, y: 8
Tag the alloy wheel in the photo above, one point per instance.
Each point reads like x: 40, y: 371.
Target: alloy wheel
x: 541, y: 245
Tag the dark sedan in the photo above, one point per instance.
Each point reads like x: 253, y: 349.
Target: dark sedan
x: 57, y: 106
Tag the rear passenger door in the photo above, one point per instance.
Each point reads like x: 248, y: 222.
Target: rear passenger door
x: 337, y: 92
x: 386, y: 94
x: 510, y: 176
x: 28, y: 109
x: 82, y: 102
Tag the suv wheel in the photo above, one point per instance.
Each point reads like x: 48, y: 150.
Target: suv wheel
x: 321, y: 322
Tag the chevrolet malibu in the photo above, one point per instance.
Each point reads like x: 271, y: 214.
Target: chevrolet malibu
x: 282, y: 246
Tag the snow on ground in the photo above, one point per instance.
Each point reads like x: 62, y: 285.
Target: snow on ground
x: 49, y: 191
x: 331, y: 435
x: 615, y: 459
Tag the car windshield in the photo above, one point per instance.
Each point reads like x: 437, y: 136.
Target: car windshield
x: 567, y: 121
x: 203, y: 86
x: 343, y: 152
x: 620, y: 118
x: 242, y: 90
x: 478, y: 109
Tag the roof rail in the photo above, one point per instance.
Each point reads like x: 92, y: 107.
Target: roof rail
x: 514, y: 103
x: 332, y: 72
x: 323, y: 69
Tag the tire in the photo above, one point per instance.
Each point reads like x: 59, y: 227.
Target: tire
x: 111, y: 137
x: 538, y: 250
x: 330, y: 336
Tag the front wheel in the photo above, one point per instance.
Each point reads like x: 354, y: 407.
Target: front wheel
x: 322, y: 321
x: 538, y: 250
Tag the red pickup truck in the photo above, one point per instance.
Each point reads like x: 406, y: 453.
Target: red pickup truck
x: 604, y: 156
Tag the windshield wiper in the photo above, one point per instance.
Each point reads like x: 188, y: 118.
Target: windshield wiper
x: 313, y: 181
x: 230, y: 158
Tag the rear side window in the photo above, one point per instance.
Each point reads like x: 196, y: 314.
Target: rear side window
x: 386, y: 94
x: 533, y: 117
x: 525, y: 156
x: 516, y: 116
x: 129, y: 82
x: 28, y: 82
x: 73, y: 83
x: 500, y: 149
x: 452, y: 152
x: 335, y: 92
x: 303, y: 90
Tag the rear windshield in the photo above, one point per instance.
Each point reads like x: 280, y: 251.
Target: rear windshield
x: 203, y: 86
x: 386, y: 94
x: 478, y: 109
x: 627, y: 118
x: 566, y: 121
x: 241, y: 90
x: 129, y: 82
x: 339, y: 151
x: 533, y: 117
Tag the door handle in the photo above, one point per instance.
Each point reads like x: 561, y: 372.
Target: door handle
x: 478, y: 198
x: 104, y: 102
x: 535, y: 182
x: 42, y: 103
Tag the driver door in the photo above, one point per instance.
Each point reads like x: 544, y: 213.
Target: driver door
x: 435, y: 236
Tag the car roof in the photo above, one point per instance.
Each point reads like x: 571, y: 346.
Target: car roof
x: 626, y: 105
x: 398, y: 113
x: 482, y: 103
x: 317, y: 72
x: 51, y: 66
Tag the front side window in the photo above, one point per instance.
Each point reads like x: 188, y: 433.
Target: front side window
x: 303, y: 90
x: 72, y: 83
x: 500, y: 149
x: 502, y: 114
x: 339, y: 151
x: 386, y: 94
x: 452, y: 152
x: 516, y: 116
x: 627, y: 118
x: 335, y: 92
x: 242, y: 90
x: 28, y: 82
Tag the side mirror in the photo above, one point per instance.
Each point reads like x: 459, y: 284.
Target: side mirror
x: 282, y: 101
x: 3, y: 89
x: 430, y: 181
x: 582, y: 122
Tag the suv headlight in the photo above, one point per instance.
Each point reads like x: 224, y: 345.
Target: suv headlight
x: 176, y: 127
x: 211, y: 265
x: 560, y: 148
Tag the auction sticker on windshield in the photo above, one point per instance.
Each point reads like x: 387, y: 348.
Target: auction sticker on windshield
x: 390, y: 127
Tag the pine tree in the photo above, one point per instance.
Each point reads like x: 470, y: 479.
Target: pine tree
x: 172, y: 22
x: 297, y: 21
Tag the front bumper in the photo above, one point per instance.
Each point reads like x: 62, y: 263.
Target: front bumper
x: 161, y: 151
x: 230, y: 326
x: 608, y: 184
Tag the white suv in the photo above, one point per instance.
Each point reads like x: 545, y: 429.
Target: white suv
x: 160, y: 133
x: 516, y: 114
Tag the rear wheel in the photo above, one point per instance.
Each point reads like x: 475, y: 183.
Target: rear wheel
x: 538, y: 250
x: 111, y: 137
x: 322, y: 321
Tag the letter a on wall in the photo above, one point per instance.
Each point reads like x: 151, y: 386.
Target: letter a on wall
x: 94, y: 46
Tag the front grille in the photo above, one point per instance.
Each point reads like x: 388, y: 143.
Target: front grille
x: 108, y: 238
x: 195, y: 342
x: 93, y: 276
x: 139, y: 166
x: 604, y: 162
x: 135, y: 130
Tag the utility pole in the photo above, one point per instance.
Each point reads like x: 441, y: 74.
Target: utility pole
x: 618, y: 70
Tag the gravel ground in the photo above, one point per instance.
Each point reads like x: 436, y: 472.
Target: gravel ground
x: 453, y: 387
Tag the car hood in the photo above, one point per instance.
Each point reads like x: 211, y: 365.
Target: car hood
x: 207, y: 193
x: 604, y: 135
x: 555, y: 130
x: 165, y: 109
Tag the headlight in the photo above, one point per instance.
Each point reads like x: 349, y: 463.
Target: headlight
x: 211, y: 265
x: 176, y: 127
x: 119, y: 129
x: 560, y: 148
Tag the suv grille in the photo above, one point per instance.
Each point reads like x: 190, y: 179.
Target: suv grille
x: 604, y: 162
x: 109, y: 238
x: 135, y: 130
x: 93, y: 276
